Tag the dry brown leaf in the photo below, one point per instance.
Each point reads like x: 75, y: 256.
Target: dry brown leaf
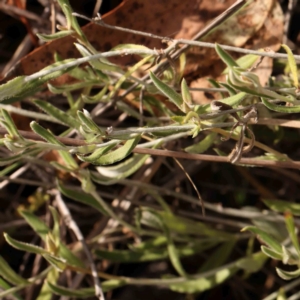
x: 269, y: 36
x: 254, y: 25
x: 165, y: 18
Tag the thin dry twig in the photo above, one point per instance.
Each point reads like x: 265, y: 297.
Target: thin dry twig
x: 16, y: 11
x: 167, y: 153
x: 97, y: 7
x: 20, y: 52
x: 71, y: 224
x: 162, y: 65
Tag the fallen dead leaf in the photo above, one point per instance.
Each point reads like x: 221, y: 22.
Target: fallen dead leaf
x: 165, y: 18
x: 268, y: 35
x: 254, y: 25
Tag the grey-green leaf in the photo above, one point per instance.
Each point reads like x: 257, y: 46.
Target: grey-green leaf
x: 82, y: 197
x: 121, y: 170
x: 37, y: 225
x: 57, y: 262
x: 280, y: 108
x: 174, y: 97
x: 58, y: 114
x: 119, y: 154
x: 266, y: 238
x: 288, y: 275
x: 54, y: 36
x: 203, y: 145
x: 227, y: 59
x: 23, y: 86
x: 9, y: 274
x: 95, y: 156
x: 283, y: 206
x: 85, y: 292
x: 271, y: 253
x: 24, y: 246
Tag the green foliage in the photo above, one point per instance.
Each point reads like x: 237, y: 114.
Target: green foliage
x: 288, y: 253
x: 98, y: 152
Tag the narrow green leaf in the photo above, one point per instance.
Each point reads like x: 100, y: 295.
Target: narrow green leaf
x: 45, y: 292
x: 289, y: 257
x: 273, y: 228
x: 288, y: 275
x: 54, y: 36
x: 131, y: 46
x: 12, y: 290
x: 98, y: 64
x: 252, y: 263
x: 85, y: 149
x: 10, y: 125
x: 150, y: 244
x: 35, y: 223
x: 280, y: 108
x: 57, y: 262
x: 18, y: 157
x: 78, y: 293
x: 290, y: 225
x: 61, y: 167
x: 85, y: 292
x: 186, y: 95
x: 283, y: 206
x: 23, y: 86
x: 230, y: 90
x: 174, y: 257
x: 203, y: 284
x: 151, y: 218
x: 92, y: 158
x: 127, y: 256
x: 218, y: 257
x: 127, y: 74
x: 15, y: 89
x: 96, y: 98
x: 167, y: 91
x: 87, y: 83
x: 82, y: 197
x: 42, y: 230
x: 56, y: 225
x: 24, y: 246
x: 9, y: 274
x: 44, y: 133
x: 203, y: 145
x: 70, y: 257
x: 218, y: 275
x: 58, y: 114
x: 87, y: 120
x: 265, y: 238
x: 271, y: 253
x: 227, y: 59
x: 245, y: 62
x: 292, y: 64
x: 123, y: 169
x: 281, y: 294
x: 186, y: 226
x: 152, y: 251
x: 50, y: 138
x: 5, y: 286
x: 119, y: 154
x: 71, y: 20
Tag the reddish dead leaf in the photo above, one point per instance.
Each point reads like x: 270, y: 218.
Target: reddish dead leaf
x: 254, y: 25
x: 268, y: 35
x: 165, y: 18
